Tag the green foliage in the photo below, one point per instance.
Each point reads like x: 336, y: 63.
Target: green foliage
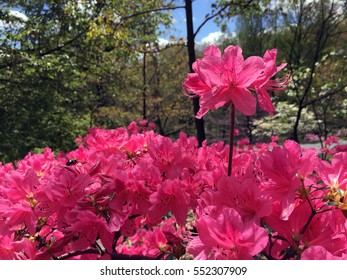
x: 63, y: 64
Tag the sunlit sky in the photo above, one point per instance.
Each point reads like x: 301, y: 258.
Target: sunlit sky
x: 207, y: 33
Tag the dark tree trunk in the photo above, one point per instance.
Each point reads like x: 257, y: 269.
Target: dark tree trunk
x: 199, y: 123
x: 144, y: 90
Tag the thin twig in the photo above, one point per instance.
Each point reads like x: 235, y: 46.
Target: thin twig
x: 78, y: 253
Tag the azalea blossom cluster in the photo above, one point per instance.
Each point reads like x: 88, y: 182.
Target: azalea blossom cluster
x: 130, y: 193
x: 219, y: 80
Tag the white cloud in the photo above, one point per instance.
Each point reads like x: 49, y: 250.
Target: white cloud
x: 216, y: 37
x: 162, y: 42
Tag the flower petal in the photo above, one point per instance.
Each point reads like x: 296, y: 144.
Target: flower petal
x: 202, y: 112
x: 251, y: 70
x: 194, y: 85
x: 232, y: 58
x: 209, y: 71
x: 212, y: 51
x: 213, y: 99
x: 243, y: 100
x: 264, y: 101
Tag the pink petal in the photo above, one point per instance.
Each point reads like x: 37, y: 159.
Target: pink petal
x: 202, y: 112
x: 209, y: 71
x: 270, y: 55
x: 257, y: 236
x: 205, y: 226
x: 194, y: 85
x: 264, y: 101
x: 215, y: 98
x: 319, y: 253
x: 251, y: 70
x: 233, y: 58
x: 243, y: 100
x: 212, y: 51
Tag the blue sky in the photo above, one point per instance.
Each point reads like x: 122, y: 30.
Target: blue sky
x: 200, y: 9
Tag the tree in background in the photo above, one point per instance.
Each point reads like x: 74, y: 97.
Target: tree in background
x: 62, y: 62
x: 311, y: 37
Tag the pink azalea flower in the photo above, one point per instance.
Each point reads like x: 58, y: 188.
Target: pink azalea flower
x: 227, y: 237
x: 220, y: 79
x: 21, y: 186
x: 171, y: 158
x: 151, y: 243
x: 311, y: 137
x: 16, y: 250
x: 142, y: 186
x: 17, y: 215
x: 325, y: 229
x: 241, y: 144
x: 242, y: 195
x: 88, y: 227
x: 171, y: 196
x: 282, y: 168
x: 331, y: 140
x: 40, y: 163
x: 334, y: 174
x: 274, y: 138
x: 263, y: 83
x: 69, y: 188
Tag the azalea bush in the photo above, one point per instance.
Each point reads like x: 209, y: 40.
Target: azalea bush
x: 130, y: 193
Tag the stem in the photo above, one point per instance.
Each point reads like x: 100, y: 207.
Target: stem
x: 77, y: 253
x: 231, y: 139
x: 115, y: 256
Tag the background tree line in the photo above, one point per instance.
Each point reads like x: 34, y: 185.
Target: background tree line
x: 71, y: 65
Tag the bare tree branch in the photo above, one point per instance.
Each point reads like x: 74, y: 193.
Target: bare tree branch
x: 150, y: 11
x: 218, y: 13
x: 328, y: 94
x: 77, y: 253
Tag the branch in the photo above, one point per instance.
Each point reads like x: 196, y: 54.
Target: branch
x: 61, y: 46
x: 179, y: 130
x: 9, y: 81
x: 218, y: 13
x: 329, y: 93
x: 295, y: 39
x: 77, y: 253
x: 150, y: 11
x: 157, y: 49
x: 338, y: 33
x: 114, y: 256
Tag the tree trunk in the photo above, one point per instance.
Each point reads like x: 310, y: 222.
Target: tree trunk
x: 144, y: 89
x: 199, y: 123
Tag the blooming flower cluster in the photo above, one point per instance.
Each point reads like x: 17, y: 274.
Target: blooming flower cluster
x: 130, y: 193
x: 229, y: 78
